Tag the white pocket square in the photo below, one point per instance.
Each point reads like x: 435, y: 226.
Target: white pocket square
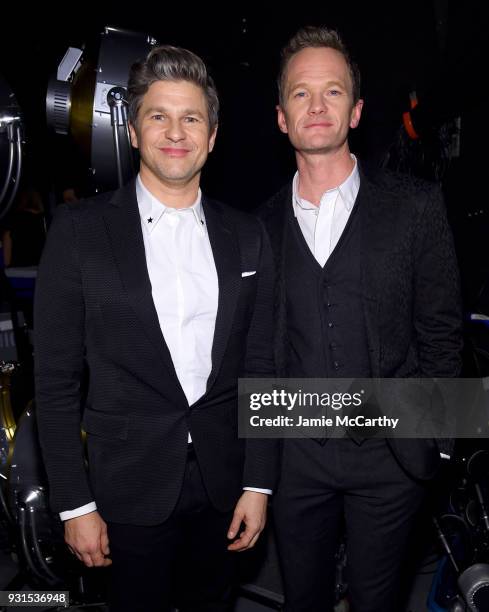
x: 243, y: 274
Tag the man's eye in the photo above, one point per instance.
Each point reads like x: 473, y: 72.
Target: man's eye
x: 300, y: 94
x: 334, y: 92
x: 191, y: 119
x: 157, y: 117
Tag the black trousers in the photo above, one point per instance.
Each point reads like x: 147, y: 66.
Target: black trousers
x: 324, y: 489
x: 182, y: 562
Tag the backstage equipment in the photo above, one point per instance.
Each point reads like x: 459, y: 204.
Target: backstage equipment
x: 464, y: 537
x: 88, y: 100
x: 427, y: 140
x: 8, y: 344
x: 7, y: 432
x: 478, y: 331
x: 10, y: 147
x: 15, y: 342
x: 474, y: 586
x: 44, y: 559
x: 36, y: 531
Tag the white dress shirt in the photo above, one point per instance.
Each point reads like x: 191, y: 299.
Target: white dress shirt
x: 183, y: 285
x: 323, y: 225
x: 185, y: 292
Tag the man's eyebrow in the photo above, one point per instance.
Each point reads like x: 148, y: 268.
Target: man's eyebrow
x: 193, y: 111
x: 297, y: 85
x: 185, y: 111
x: 155, y: 109
x: 305, y: 85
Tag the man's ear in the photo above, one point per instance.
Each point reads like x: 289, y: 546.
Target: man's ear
x: 282, y: 122
x: 212, y: 138
x: 356, y: 113
x: 134, y: 136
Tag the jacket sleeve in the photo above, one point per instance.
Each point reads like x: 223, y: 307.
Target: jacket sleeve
x: 437, y: 303
x: 262, y: 455
x: 259, y: 350
x: 59, y: 325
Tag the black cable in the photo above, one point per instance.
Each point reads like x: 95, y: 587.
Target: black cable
x: 53, y: 579
x: 25, y: 547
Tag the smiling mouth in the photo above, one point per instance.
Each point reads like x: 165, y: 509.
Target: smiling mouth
x: 319, y: 124
x: 172, y: 152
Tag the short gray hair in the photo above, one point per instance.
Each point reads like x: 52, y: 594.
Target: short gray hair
x: 167, y: 63
x: 316, y: 37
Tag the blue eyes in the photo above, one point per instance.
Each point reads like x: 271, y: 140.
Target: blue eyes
x: 331, y: 92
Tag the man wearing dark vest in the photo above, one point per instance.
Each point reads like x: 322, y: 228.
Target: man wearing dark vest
x: 164, y: 297
x: 367, y: 287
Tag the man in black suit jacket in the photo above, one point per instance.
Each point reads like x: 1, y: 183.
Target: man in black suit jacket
x: 367, y: 287
x: 155, y: 299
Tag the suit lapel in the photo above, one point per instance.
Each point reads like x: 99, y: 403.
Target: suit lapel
x: 124, y: 228
x: 228, y: 265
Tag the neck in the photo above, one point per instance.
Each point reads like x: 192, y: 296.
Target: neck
x: 318, y: 173
x: 173, y: 195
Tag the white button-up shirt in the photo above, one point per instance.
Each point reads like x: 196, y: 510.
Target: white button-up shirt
x: 184, y: 285
x: 323, y: 225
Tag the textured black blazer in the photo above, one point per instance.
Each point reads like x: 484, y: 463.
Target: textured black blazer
x: 95, y: 318
x: 410, y: 289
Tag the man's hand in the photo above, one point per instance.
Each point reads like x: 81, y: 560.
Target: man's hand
x: 87, y: 538
x: 251, y: 510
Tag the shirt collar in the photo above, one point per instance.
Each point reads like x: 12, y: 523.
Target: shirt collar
x: 151, y: 209
x: 348, y: 190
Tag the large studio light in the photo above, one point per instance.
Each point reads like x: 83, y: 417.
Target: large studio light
x: 87, y: 99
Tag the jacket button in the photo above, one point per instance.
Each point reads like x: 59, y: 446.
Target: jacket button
x: 336, y: 365
x: 330, y: 324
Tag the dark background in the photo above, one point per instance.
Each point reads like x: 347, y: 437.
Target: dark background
x: 436, y: 47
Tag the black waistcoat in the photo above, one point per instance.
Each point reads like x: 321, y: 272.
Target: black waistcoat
x: 325, y: 320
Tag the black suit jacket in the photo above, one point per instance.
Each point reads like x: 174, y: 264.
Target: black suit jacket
x: 95, y: 318
x: 410, y: 289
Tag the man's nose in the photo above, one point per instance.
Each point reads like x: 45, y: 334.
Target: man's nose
x: 175, y: 131
x: 317, y: 104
